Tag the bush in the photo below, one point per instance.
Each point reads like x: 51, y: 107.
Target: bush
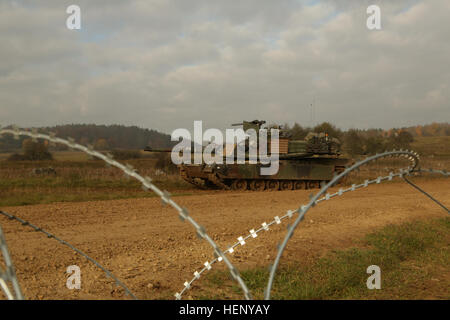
x: 164, y: 162
x: 328, y: 128
x: 126, y: 154
x: 375, y: 145
x: 400, y: 140
x: 354, y: 143
x: 17, y: 157
x: 32, y: 150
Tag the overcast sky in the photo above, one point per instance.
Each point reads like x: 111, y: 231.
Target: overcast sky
x: 162, y: 64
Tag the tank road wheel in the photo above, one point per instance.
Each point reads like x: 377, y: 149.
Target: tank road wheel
x: 323, y: 183
x: 298, y: 185
x: 272, y: 185
x: 286, y: 185
x: 257, y: 185
x: 208, y: 184
x: 239, y: 185
x: 313, y: 184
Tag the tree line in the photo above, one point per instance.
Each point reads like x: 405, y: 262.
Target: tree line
x: 101, y: 137
x: 121, y: 140
x: 371, y: 141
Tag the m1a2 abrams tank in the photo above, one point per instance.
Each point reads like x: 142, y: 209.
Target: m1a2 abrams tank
x: 303, y: 164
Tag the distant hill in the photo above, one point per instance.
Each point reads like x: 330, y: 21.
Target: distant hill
x: 434, y: 129
x: 102, y: 137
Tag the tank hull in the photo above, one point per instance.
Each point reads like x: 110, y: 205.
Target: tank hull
x: 304, y: 173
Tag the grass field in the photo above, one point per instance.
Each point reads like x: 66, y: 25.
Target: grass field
x: 413, y: 259
x: 80, y: 178
x: 92, y: 180
x: 413, y: 256
x: 77, y: 180
x: 435, y: 147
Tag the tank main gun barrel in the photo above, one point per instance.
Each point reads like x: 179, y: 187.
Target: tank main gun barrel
x: 150, y: 149
x: 257, y: 122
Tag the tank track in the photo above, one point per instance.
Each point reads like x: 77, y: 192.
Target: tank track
x: 274, y: 184
x: 195, y: 181
x: 214, y: 182
x: 212, y: 177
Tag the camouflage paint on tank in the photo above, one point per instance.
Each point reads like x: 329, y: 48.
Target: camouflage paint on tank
x: 288, y: 170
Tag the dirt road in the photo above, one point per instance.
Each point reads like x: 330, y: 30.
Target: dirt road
x: 146, y: 245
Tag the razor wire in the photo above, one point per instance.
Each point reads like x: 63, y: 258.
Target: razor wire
x: 426, y: 193
x: 443, y: 172
x: 277, y: 220
x: 9, y: 274
x: 289, y: 214
x: 200, y: 231
x: 49, y: 235
x: 410, y: 155
x: 147, y: 184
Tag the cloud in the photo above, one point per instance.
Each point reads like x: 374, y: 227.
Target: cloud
x: 163, y: 64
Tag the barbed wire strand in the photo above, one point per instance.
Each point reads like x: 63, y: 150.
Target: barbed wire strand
x: 50, y: 235
x: 425, y: 193
x: 277, y: 220
x: 9, y: 274
x: 253, y: 233
x: 5, y: 288
x: 265, y: 226
x: 148, y: 185
x: 410, y: 155
x: 443, y: 172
